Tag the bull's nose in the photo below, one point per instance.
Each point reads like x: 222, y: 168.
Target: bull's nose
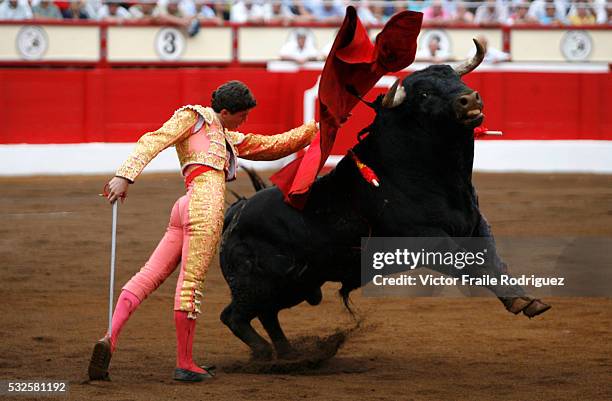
x: 467, y: 102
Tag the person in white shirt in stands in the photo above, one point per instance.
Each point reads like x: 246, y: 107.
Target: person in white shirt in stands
x: 15, y: 10
x: 112, y: 11
x: 538, y: 10
x: 366, y: 14
x: 256, y: 11
x: 300, y: 47
x: 492, y: 55
x: 432, y: 51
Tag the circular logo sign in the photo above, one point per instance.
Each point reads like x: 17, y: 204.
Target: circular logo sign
x: 437, y: 37
x: 169, y: 44
x: 576, y: 45
x: 32, y: 42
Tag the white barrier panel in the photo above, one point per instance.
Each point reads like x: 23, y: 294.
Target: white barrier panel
x: 90, y: 158
x: 135, y: 44
x: 257, y: 44
x: 490, y: 156
x: 559, y: 45
x: 49, y: 43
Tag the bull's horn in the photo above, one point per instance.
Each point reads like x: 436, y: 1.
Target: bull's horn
x: 395, y: 96
x: 470, y: 65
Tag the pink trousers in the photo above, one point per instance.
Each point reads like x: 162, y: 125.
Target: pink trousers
x: 191, y: 238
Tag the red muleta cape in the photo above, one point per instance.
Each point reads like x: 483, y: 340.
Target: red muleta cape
x: 353, y: 61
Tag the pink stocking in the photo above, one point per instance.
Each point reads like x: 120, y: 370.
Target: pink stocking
x: 126, y: 305
x: 185, y: 331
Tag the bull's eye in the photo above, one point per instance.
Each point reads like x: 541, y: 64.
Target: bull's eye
x: 424, y: 95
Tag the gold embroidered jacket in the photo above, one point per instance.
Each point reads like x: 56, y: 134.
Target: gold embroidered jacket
x: 199, y: 138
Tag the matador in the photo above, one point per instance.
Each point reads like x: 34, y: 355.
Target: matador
x: 207, y: 148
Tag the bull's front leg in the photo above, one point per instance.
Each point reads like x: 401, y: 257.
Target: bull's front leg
x: 514, y: 298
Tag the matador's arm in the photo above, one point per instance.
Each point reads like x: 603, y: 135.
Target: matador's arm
x: 272, y: 147
x: 177, y: 128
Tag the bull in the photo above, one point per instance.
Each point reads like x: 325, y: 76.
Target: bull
x: 421, y: 147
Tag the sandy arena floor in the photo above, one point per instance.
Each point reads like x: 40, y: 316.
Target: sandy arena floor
x: 54, y: 253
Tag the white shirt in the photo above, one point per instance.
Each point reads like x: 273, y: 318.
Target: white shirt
x: 291, y: 50
x: 104, y: 12
x: 239, y: 12
x: 21, y: 12
x: 425, y: 54
x: 537, y: 9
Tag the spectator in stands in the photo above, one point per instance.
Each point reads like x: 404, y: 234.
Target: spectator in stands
x: 325, y: 11
x: 582, y: 14
x: 539, y: 11
x: 378, y: 10
x: 187, y: 7
x: 601, y: 12
x: 169, y: 12
x: 254, y: 11
x: 521, y: 14
x: 492, y: 55
x: 15, y: 10
x: 301, y: 11
x: 300, y: 47
x: 144, y: 11
x: 492, y: 12
x: 207, y: 13
x: 609, y: 13
x: 92, y: 7
x: 436, y: 13
x: 432, y: 51
x: 222, y: 9
x: 366, y: 13
x: 282, y: 13
x: 550, y: 16
x: 298, y: 9
x: 112, y: 11
x: 462, y: 15
x: 75, y: 10
x: 46, y: 9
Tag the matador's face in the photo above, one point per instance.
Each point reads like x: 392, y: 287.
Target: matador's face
x: 232, y: 121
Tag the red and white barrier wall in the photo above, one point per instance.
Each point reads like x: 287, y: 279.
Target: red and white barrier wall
x: 85, y: 120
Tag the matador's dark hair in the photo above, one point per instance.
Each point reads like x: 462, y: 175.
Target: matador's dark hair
x: 234, y: 96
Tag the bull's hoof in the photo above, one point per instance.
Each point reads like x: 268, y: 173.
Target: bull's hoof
x: 287, y: 354
x: 262, y: 354
x: 517, y: 305
x: 535, y: 308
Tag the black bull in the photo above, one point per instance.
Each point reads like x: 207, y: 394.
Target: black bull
x: 421, y: 146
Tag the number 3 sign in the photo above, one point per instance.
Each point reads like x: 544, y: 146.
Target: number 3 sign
x: 169, y: 44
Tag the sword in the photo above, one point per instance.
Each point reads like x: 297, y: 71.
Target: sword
x: 112, y: 268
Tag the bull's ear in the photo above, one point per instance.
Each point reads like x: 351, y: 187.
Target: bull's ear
x: 395, y: 96
x: 470, y: 65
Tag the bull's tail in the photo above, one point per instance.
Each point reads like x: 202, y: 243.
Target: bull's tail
x: 256, y: 180
x: 345, y: 293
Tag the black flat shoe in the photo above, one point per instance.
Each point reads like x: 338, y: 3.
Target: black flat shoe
x: 100, y: 360
x: 184, y: 375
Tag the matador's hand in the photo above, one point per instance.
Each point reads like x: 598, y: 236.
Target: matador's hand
x: 117, y: 188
